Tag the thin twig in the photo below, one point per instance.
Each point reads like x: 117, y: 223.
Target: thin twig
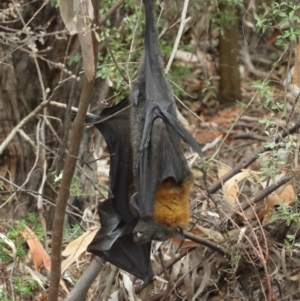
x: 113, y: 57
x: 61, y: 153
x: 19, y: 13
x: 259, y: 250
x: 41, y: 155
x: 205, y: 242
x: 27, y: 139
x: 183, y: 21
x: 111, y: 11
x: 251, y: 136
x: 15, y: 130
x: 35, y: 14
x: 61, y: 105
x: 45, y: 198
x: 132, y: 46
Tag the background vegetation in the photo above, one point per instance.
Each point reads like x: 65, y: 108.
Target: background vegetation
x: 236, y: 77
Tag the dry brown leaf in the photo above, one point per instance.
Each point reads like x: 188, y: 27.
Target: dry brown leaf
x: 205, y: 279
x: 211, y: 234
x: 67, y: 15
x: 223, y: 170
x: 189, y: 289
x: 71, y: 9
x: 231, y: 188
x: 77, y: 15
x: 295, y: 90
x: 39, y: 255
x: 285, y: 194
x: 266, y: 212
x: 128, y: 285
x: 76, y: 247
x: 204, y: 136
x: 63, y: 285
x: 226, y: 116
x: 42, y: 298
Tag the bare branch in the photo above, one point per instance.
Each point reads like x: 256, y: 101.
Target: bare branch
x: 82, y: 286
x: 183, y: 21
x: 15, y: 130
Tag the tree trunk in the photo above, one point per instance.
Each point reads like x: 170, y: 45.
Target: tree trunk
x: 230, y: 81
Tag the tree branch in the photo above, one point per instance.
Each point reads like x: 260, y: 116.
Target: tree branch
x: 79, y: 291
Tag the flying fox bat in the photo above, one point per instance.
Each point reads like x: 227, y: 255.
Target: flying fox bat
x: 114, y: 241
x: 162, y: 176
x: 150, y: 180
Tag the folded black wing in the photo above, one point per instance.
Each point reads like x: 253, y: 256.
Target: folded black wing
x: 114, y: 240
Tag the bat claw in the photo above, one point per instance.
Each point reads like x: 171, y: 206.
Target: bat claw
x: 138, y: 238
x: 179, y: 233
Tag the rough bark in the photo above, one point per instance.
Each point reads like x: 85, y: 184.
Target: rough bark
x: 230, y: 81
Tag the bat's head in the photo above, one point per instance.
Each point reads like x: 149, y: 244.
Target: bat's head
x: 147, y: 230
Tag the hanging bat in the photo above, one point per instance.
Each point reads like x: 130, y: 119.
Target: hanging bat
x: 162, y: 176
x: 150, y: 179
x: 114, y: 241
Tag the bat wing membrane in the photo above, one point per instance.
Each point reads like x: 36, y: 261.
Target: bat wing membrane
x: 114, y: 240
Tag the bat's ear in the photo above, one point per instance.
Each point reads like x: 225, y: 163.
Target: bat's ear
x: 179, y: 233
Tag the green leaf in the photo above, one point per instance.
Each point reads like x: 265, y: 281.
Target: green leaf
x: 282, y: 14
x: 256, y: 17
